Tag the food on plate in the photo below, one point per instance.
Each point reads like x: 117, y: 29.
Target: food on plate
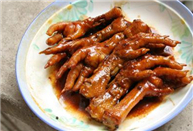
x: 54, y: 39
x: 93, y: 55
x: 125, y: 50
x: 151, y: 86
x: 118, y: 25
x: 77, y: 29
x: 133, y: 71
x: 114, y: 63
x: 55, y: 59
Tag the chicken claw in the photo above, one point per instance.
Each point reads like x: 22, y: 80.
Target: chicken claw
x: 76, y: 29
x: 72, y: 76
x: 141, y: 40
x: 92, y: 54
x: 174, y: 78
x: 148, y: 87
x: 136, y: 27
x: 54, y: 39
x: 127, y: 49
x: 118, y: 25
x: 55, y: 59
x: 152, y: 86
x: 133, y: 71
x: 85, y: 72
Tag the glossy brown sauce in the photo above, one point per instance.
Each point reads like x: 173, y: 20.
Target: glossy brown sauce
x: 57, y: 85
x: 145, y: 106
x: 76, y: 103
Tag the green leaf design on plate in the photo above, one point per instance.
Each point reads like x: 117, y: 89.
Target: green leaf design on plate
x: 77, y: 10
x: 90, y: 6
x: 179, y: 28
x: 186, y: 33
x: 48, y: 110
x: 133, y: 129
x: 191, y: 72
x: 53, y: 117
x: 72, y: 122
x: 162, y: 7
x: 80, y: 3
x: 68, y: 121
x: 187, y: 51
x: 36, y: 47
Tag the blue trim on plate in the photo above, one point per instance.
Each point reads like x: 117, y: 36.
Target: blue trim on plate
x: 35, y: 109
x: 176, y: 111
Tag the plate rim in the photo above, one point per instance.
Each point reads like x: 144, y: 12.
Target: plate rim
x: 39, y: 113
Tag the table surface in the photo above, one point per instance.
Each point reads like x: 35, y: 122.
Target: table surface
x: 16, y: 16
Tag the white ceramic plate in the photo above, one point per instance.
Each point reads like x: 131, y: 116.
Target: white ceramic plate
x: 36, y: 88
